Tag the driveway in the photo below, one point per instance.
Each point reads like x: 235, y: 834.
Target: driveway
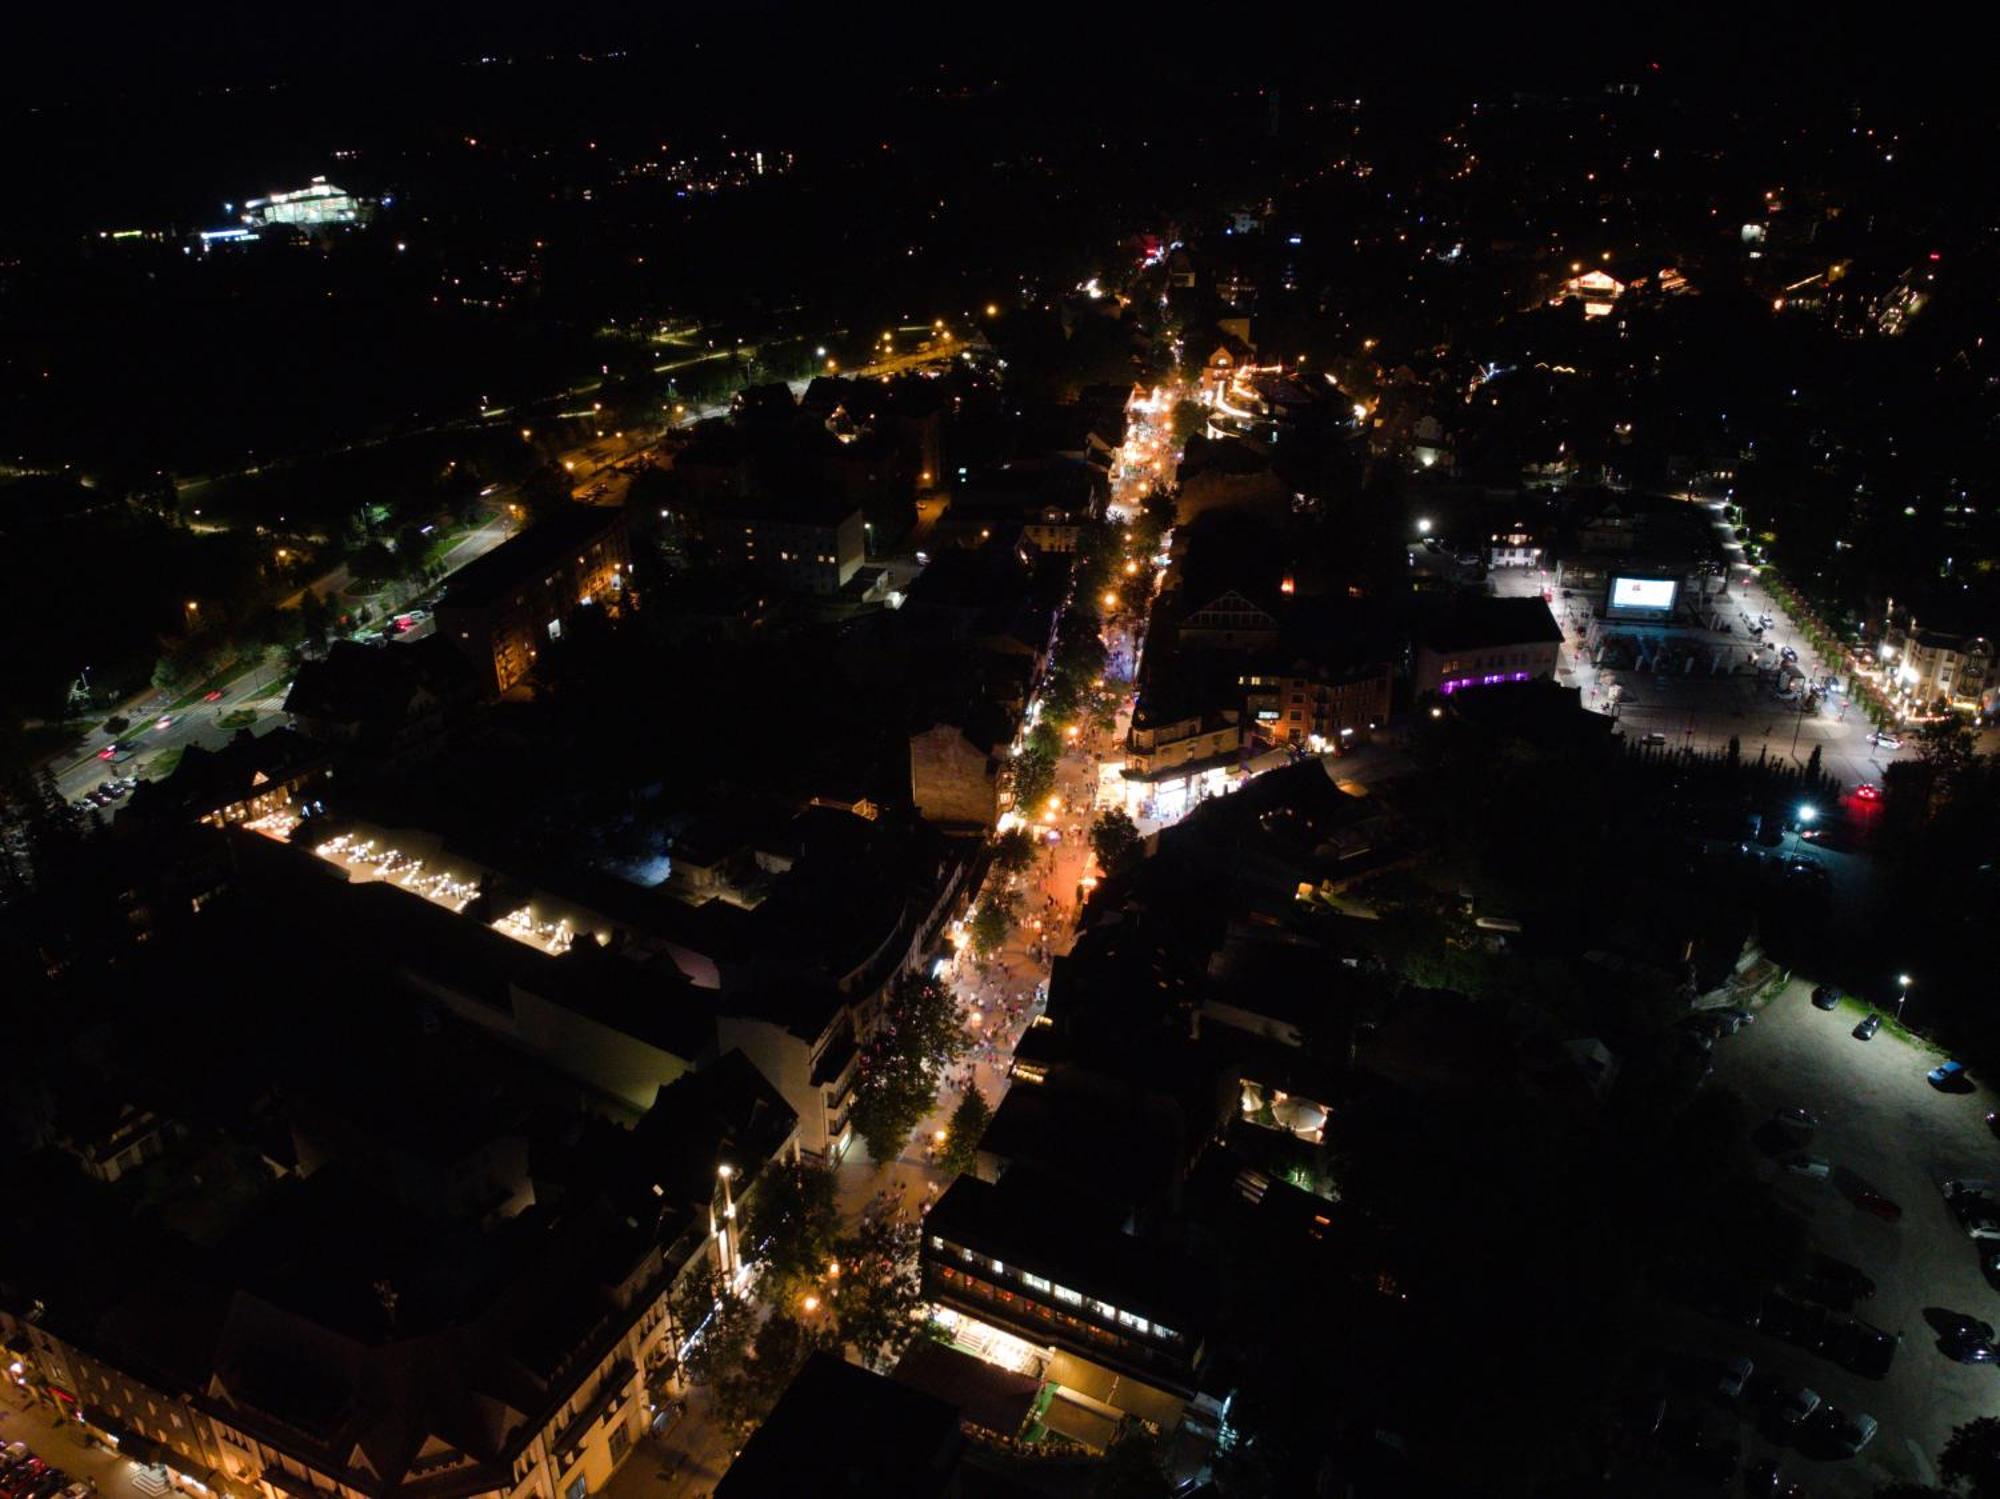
x: 1884, y: 1129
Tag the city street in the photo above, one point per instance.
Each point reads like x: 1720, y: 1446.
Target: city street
x: 66, y: 1445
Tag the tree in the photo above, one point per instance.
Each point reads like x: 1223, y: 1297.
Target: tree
x: 1188, y: 418
x: 991, y: 923
x: 962, y: 1135
x: 1970, y: 1461
x: 1945, y: 744
x: 714, y: 1323
x: 544, y: 491
x: 921, y: 1033
x: 1014, y: 850
x: 745, y: 1394
x: 1114, y: 838
x: 1034, y: 778
x: 877, y: 1297
x: 1133, y: 1468
x: 374, y: 563
x: 790, y: 1223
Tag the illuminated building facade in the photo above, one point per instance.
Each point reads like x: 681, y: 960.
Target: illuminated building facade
x: 503, y: 609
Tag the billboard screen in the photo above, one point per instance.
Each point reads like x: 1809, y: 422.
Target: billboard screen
x: 1648, y: 595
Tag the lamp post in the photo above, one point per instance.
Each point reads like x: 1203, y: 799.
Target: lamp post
x: 1808, y: 815
x: 1903, y: 982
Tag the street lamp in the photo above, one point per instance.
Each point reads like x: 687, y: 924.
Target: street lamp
x: 1903, y: 982
x: 1423, y: 528
x: 1808, y: 814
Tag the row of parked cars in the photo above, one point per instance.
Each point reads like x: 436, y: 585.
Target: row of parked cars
x: 103, y: 796
x: 25, y: 1476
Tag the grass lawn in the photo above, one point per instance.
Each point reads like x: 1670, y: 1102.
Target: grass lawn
x: 241, y: 666
x: 163, y: 764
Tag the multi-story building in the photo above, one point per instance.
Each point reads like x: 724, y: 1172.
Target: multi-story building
x: 1924, y: 668
x: 1317, y: 706
x: 1483, y: 642
x: 503, y: 609
x: 332, y: 1369
x: 1514, y: 546
x: 804, y: 544
x: 1120, y: 1325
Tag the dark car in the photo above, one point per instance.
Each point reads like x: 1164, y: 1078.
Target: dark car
x: 1880, y: 1206
x: 1868, y: 1351
x: 1866, y: 1030
x: 1949, y: 1077
x: 1825, y: 997
x: 1804, y: 1120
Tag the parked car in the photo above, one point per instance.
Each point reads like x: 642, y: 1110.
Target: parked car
x: 1885, y: 740
x: 1880, y: 1206
x: 1848, y: 1434
x: 1993, y: 1122
x: 1825, y: 997
x: 1948, y: 1077
x: 1796, y: 1118
x: 1794, y: 1405
x: 1868, y: 791
x: 1736, y: 1374
x: 1851, y: 1282
x: 1966, y: 1339
x: 1815, y: 1166
x: 1866, y: 1030
x: 1735, y: 1017
x: 1866, y: 1350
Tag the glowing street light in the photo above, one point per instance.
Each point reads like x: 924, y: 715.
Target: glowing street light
x: 1423, y: 528
x: 1903, y: 981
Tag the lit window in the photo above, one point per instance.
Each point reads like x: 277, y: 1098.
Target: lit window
x: 936, y: 1242
x: 1033, y: 1282
x: 1064, y: 1293
x: 1138, y: 1323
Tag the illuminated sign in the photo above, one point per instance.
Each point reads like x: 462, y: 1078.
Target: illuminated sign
x: 1652, y: 595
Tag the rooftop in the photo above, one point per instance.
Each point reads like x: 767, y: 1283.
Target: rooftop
x: 530, y: 555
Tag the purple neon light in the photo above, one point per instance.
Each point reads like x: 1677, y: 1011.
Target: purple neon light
x: 1448, y: 688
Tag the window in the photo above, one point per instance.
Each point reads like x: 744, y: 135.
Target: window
x: 1103, y: 1308
x: 579, y: 1487
x: 1033, y: 1282
x: 936, y: 1242
x: 998, y: 1268
x: 1134, y: 1321
x: 621, y: 1443
x: 1064, y: 1293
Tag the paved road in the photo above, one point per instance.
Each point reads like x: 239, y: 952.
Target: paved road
x: 1886, y: 1130
x: 65, y: 1445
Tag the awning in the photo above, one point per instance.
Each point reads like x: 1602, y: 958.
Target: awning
x: 1120, y: 1391
x: 135, y: 1445
x: 1079, y: 1423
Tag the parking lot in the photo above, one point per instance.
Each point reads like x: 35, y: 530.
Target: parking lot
x: 1885, y: 1130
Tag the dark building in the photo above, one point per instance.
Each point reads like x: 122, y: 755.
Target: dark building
x: 520, y: 596
x: 1125, y: 1322
x: 840, y: 1432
